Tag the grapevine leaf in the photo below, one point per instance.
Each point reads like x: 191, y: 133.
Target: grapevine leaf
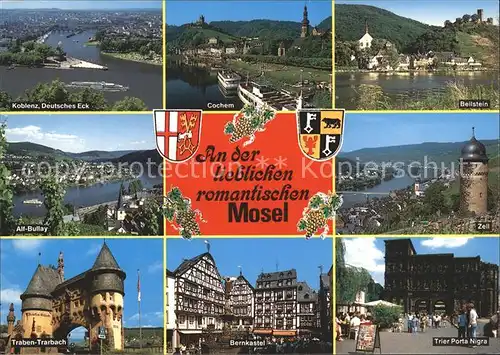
x: 229, y: 129
x: 327, y: 212
x: 169, y: 212
x: 302, y: 225
x: 315, y: 202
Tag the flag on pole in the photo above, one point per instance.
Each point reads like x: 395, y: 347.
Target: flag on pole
x: 138, y: 286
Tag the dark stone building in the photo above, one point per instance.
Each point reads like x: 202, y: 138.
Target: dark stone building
x: 438, y: 282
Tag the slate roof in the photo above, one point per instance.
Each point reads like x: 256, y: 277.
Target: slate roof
x: 304, y: 289
x: 325, y: 279
x: 105, y: 260
x: 43, y: 282
x: 187, y: 264
x: 274, y: 277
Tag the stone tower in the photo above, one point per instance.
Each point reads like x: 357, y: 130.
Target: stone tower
x: 37, y: 303
x: 60, y: 266
x: 11, y: 318
x: 474, y: 177
x: 106, y: 298
x: 305, y: 24
x: 480, y: 13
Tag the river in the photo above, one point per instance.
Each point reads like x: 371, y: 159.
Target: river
x: 194, y: 87
x: 397, y: 183
x: 401, y: 84
x: 144, y: 80
x: 79, y: 196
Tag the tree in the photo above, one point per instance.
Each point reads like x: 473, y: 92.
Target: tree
x: 7, y: 222
x: 447, y: 23
x: 130, y: 104
x: 466, y: 18
x: 434, y: 199
x: 53, y: 193
x: 150, y: 218
x: 474, y: 18
x: 349, y: 280
x: 134, y: 187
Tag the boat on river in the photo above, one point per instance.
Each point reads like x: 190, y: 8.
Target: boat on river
x: 97, y: 85
x: 252, y: 93
x: 228, y: 79
x: 34, y: 201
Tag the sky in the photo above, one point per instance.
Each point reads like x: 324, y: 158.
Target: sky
x: 181, y: 12
x: 81, y: 5
x: 369, y: 253
x: 432, y: 12
x: 258, y: 254
x: 385, y: 129
x: 80, y: 133
x: 19, y: 259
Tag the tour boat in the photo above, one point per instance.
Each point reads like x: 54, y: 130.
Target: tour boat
x: 256, y: 94
x: 228, y: 79
x: 97, y: 85
x: 34, y: 201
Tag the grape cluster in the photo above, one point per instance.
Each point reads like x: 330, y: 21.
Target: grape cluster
x: 314, y: 220
x: 243, y: 128
x: 186, y: 219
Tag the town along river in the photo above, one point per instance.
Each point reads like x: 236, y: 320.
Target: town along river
x: 403, y: 86
x: 195, y: 86
x: 144, y: 80
x: 78, y: 196
x: 379, y: 191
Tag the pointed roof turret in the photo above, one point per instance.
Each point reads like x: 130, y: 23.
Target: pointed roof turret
x: 105, y: 259
x: 42, y: 283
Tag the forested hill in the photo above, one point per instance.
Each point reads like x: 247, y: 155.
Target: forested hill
x: 265, y: 29
x: 350, y: 23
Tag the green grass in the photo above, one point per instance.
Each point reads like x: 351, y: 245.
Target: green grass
x: 372, y: 97
x: 281, y: 73
x: 92, y: 43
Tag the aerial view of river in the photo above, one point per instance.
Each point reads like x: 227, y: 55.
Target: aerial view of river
x: 410, y: 85
x: 195, y: 87
x: 397, y: 183
x: 78, y: 196
x: 144, y: 80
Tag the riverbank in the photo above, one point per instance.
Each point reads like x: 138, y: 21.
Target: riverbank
x: 134, y: 57
x: 372, y: 97
x: 280, y: 74
x: 416, y: 71
x: 92, y: 44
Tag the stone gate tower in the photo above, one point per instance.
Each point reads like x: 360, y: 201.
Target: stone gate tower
x: 52, y: 306
x: 474, y: 177
x: 106, y: 298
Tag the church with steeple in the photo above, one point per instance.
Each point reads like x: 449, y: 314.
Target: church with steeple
x: 305, y: 30
x: 365, y: 42
x: 52, y: 306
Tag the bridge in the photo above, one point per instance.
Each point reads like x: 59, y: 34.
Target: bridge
x: 362, y: 193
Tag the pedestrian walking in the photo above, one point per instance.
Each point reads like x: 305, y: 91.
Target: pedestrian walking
x: 415, y: 325
x: 473, y: 323
x: 462, y: 324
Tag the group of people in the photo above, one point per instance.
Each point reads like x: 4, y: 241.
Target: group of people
x: 348, y: 323
x: 467, y: 321
x: 421, y: 321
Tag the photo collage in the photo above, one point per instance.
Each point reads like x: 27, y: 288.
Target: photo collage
x: 354, y: 152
